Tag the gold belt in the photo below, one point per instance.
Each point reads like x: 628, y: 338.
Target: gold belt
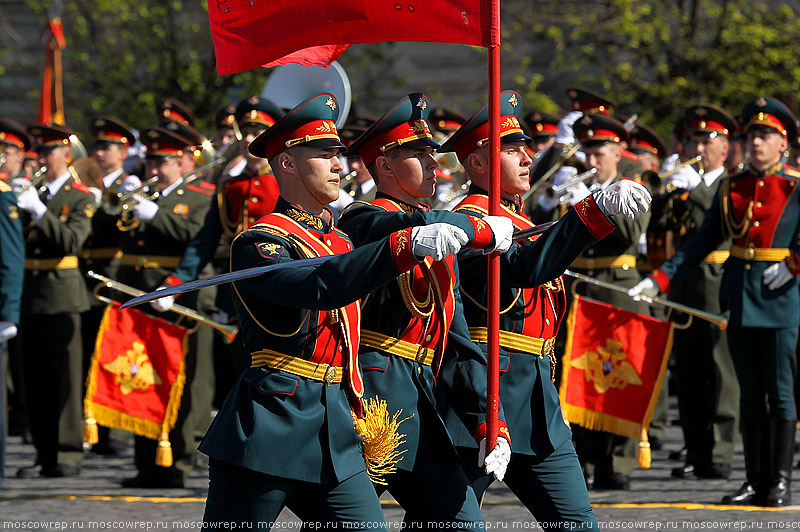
x: 100, y: 253
x: 150, y: 261
x: 398, y: 347
x: 763, y: 254
x: 518, y: 342
x: 58, y: 263
x: 717, y: 257
x: 623, y: 261
x: 297, y: 366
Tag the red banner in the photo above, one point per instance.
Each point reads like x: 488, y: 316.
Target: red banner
x: 251, y: 33
x: 613, y: 367
x: 51, y: 99
x: 136, y: 376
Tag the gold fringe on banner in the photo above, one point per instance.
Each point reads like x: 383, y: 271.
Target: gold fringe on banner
x: 90, y: 434
x: 643, y: 457
x: 380, y: 438
x: 164, y: 451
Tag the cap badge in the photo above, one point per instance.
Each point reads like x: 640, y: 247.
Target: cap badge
x: 590, y: 133
x: 702, y: 124
x: 537, y: 116
x: 701, y: 112
x: 761, y: 102
x: 422, y: 104
x: 573, y: 94
x: 253, y: 100
x: 513, y: 100
x: 331, y: 103
x: 539, y: 127
x: 586, y: 120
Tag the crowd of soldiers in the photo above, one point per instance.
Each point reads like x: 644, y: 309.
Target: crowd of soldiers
x: 388, y: 339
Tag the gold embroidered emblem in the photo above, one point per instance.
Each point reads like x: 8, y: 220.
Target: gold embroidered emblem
x: 269, y: 248
x: 304, y: 217
x: 402, y: 241
x: 13, y: 212
x: 556, y: 285
x: 331, y: 103
x: 761, y: 102
x: 89, y: 210
x: 253, y: 100
x: 326, y: 127
x: 181, y: 209
x: 422, y: 104
x: 608, y: 367
x: 513, y: 100
x: 420, y: 126
x: 133, y: 370
x: 509, y: 122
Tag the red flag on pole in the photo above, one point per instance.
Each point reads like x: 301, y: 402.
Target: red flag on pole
x: 51, y: 99
x: 613, y: 367
x: 136, y: 376
x: 248, y: 34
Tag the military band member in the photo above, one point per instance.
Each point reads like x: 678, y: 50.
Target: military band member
x: 544, y: 472
x: 224, y: 120
x: 173, y: 110
x: 154, y: 236
x: 413, y: 332
x: 451, y: 183
x: 14, y: 144
x: 707, y: 389
x: 57, y: 220
x: 285, y: 435
x: 758, y: 209
x: 646, y: 144
x: 543, y: 128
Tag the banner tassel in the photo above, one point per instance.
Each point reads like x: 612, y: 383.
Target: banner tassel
x: 90, y: 429
x: 164, y: 452
x: 379, y: 439
x: 643, y: 457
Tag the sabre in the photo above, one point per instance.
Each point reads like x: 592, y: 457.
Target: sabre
x: 229, y: 331
x: 720, y: 320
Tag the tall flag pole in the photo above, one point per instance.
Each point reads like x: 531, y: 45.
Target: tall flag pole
x: 51, y: 99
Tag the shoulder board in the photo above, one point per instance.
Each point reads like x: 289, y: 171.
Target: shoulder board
x: 208, y: 186
x: 355, y: 205
x: 80, y: 186
x: 5, y: 187
x: 791, y: 172
x: 629, y: 155
x: 203, y: 191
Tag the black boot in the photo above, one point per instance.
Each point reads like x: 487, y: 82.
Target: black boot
x: 751, y: 440
x: 782, y: 456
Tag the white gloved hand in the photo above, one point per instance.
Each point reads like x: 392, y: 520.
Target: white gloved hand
x: 564, y: 174
x: 220, y: 316
x: 28, y: 198
x: 163, y: 304
x: 574, y: 194
x: 503, y: 230
x: 777, y: 275
x: 686, y: 178
x: 497, y: 461
x: 623, y: 197
x: 437, y: 240
x: 145, y: 210
x: 669, y: 163
x: 8, y: 330
x: 130, y: 183
x: 565, y: 134
x: 646, y: 288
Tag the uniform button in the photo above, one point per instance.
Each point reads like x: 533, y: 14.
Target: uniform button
x: 428, y: 338
x: 625, y: 267
x: 758, y: 204
x: 756, y: 223
x: 419, y: 370
x: 746, y: 266
x: 547, y: 321
x: 140, y: 243
x: 180, y: 192
x: 251, y: 219
x: 340, y: 349
x: 328, y: 242
x: 590, y: 252
x: 761, y: 182
x: 256, y: 182
x: 254, y: 200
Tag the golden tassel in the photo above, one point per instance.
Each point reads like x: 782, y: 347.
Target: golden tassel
x: 643, y: 457
x: 90, y: 430
x: 164, y: 451
x: 379, y: 439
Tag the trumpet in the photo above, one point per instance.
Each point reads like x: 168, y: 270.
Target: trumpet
x: 114, y: 203
x: 37, y: 179
x: 557, y: 191
x: 654, y: 179
x: 2, y: 158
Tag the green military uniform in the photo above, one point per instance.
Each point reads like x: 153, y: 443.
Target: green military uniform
x: 53, y: 297
x: 610, y: 458
x: 150, y: 251
x: 12, y: 256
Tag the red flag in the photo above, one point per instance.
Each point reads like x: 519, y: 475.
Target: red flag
x: 251, y: 33
x: 136, y: 376
x: 51, y: 99
x: 613, y: 367
x: 321, y: 56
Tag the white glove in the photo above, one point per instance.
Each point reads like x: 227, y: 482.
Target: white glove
x: 641, y: 247
x: 145, y: 210
x: 565, y: 134
x: 574, y: 194
x: 686, y: 178
x: 777, y: 275
x: 503, y: 229
x: 437, y: 240
x: 130, y: 183
x: 497, y: 461
x: 669, y: 163
x: 647, y: 288
x: 28, y: 198
x: 623, y: 197
x: 8, y: 330
x: 564, y: 175
x: 163, y: 304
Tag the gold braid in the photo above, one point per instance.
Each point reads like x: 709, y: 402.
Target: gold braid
x: 734, y: 229
x: 420, y: 309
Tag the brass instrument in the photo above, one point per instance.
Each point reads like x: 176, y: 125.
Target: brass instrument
x: 37, y: 180
x: 229, y: 331
x: 558, y: 191
x: 115, y: 203
x: 565, y: 158
x: 2, y: 158
x: 630, y: 122
x: 346, y: 179
x: 654, y: 179
x: 720, y: 320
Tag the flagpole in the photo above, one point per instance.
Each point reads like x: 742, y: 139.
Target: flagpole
x: 493, y: 313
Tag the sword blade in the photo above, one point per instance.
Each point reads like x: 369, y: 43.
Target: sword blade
x: 524, y: 234
x: 226, y: 278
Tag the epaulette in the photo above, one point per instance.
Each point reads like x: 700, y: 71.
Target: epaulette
x: 791, y: 172
x: 208, y: 186
x: 5, y: 187
x: 201, y: 190
x: 80, y: 186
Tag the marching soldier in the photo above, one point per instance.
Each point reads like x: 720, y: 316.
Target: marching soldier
x: 610, y: 459
x: 172, y: 110
x: 285, y: 435
x: 758, y: 210
x: 543, y: 128
x: 646, y: 144
x: 451, y: 183
x: 707, y: 389
x: 224, y: 120
x: 57, y: 220
x: 544, y: 472
x: 413, y: 331
x: 154, y: 235
x: 15, y: 144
